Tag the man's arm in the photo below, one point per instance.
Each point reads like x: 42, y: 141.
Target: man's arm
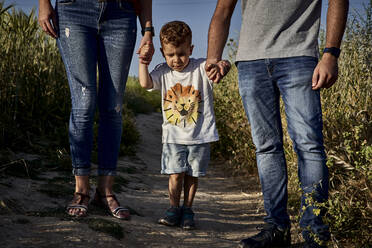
x: 326, y: 72
x: 218, y: 32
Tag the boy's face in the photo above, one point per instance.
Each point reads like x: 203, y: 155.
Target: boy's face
x: 177, y: 57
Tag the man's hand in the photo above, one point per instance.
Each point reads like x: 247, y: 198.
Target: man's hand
x: 216, y: 71
x: 145, y: 56
x: 46, y: 15
x: 325, y: 73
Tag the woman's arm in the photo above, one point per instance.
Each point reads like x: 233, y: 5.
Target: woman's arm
x: 47, y: 13
x: 145, y: 18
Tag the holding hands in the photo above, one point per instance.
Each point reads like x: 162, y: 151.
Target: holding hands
x: 145, y: 52
x: 216, y: 71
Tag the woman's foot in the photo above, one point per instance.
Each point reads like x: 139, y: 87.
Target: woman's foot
x: 79, y: 204
x: 105, y: 197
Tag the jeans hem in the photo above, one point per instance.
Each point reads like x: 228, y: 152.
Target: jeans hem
x: 81, y: 171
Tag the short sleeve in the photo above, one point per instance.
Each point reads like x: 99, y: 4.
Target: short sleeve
x: 156, y: 76
x: 204, y: 73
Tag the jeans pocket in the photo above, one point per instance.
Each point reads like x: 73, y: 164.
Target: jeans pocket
x: 65, y: 1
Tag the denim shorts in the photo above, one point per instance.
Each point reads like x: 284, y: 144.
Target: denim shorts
x: 191, y: 159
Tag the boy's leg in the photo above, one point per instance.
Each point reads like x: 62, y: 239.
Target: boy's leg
x: 175, y: 188
x: 190, y: 187
x: 189, y: 190
x: 173, y: 164
x: 198, y: 157
x: 173, y: 214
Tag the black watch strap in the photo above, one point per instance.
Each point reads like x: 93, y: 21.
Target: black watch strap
x: 332, y: 50
x: 148, y: 29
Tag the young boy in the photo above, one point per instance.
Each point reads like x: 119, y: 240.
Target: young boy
x: 188, y: 117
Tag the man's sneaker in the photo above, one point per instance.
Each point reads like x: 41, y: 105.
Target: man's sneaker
x: 270, y: 236
x: 172, y: 217
x: 187, y: 221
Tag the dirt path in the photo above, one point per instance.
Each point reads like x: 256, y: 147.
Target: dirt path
x: 32, y: 216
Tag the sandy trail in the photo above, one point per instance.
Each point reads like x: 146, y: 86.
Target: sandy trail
x: 224, y: 214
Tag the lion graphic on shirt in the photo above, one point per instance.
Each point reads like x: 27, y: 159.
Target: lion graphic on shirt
x: 181, y: 105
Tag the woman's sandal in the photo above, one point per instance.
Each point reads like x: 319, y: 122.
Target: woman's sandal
x: 101, y: 201
x: 78, y: 203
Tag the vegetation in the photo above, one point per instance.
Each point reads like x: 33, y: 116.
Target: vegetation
x: 347, y: 116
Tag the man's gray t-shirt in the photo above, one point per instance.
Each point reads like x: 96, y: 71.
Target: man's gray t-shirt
x: 279, y: 29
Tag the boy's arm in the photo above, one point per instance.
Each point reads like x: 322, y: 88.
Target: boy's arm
x: 143, y: 68
x: 144, y: 76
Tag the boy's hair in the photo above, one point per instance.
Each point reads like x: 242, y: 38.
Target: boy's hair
x: 175, y: 33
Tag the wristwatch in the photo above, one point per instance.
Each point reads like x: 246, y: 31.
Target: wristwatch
x: 148, y: 29
x: 332, y: 50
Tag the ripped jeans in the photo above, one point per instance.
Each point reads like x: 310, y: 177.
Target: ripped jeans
x: 92, y: 33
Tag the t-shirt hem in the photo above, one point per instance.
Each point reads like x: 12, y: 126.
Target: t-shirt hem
x: 282, y: 54
x: 190, y: 142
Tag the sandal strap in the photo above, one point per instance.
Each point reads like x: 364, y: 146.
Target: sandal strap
x: 118, y: 209
x: 82, y: 197
x: 77, y: 207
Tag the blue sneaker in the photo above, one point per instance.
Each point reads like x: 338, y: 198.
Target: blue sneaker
x: 172, y: 217
x: 187, y: 221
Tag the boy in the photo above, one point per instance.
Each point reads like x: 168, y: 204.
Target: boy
x: 188, y: 117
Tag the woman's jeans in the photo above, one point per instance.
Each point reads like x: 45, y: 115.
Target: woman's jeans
x: 261, y: 83
x: 95, y: 35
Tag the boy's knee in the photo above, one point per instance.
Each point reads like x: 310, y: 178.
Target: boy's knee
x: 177, y: 176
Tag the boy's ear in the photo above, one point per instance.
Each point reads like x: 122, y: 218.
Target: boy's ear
x: 161, y: 50
x: 191, y: 48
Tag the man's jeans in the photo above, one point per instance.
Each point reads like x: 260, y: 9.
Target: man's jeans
x: 95, y: 33
x: 261, y: 83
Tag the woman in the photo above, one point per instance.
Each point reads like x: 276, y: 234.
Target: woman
x: 91, y: 33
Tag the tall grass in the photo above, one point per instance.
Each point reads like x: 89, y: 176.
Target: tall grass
x: 347, y: 119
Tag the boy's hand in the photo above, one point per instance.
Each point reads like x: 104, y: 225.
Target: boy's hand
x: 213, y: 73
x: 145, y: 52
x: 217, y: 71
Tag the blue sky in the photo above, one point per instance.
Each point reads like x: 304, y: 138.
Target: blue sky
x: 196, y: 13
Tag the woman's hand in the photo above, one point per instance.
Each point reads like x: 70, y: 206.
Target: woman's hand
x: 146, y: 42
x: 46, y: 15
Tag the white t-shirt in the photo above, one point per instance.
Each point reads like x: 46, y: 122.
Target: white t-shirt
x: 187, y: 103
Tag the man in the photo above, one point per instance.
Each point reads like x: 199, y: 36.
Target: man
x: 278, y: 55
